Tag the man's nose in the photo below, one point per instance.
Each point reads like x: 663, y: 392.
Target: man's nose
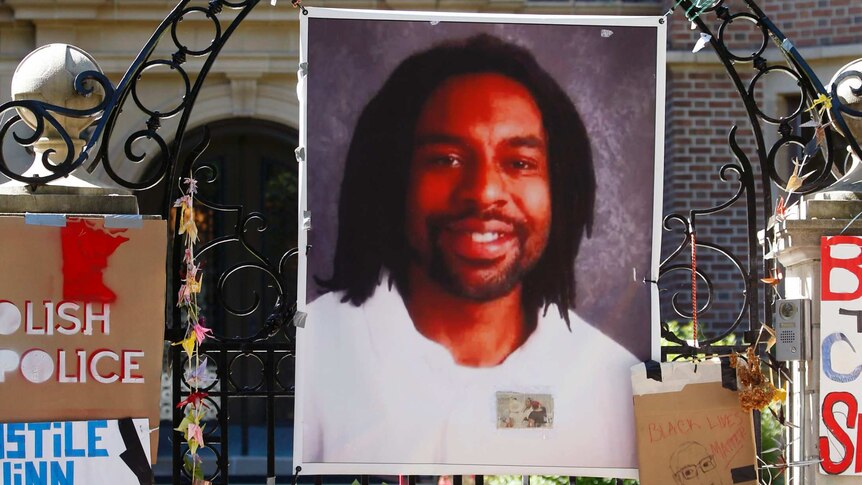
x: 483, y: 185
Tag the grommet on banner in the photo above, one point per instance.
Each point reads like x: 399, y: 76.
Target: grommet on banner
x: 124, y: 221
x: 50, y: 220
x: 300, y: 154
x: 306, y: 220
x: 299, y: 319
x: 298, y: 4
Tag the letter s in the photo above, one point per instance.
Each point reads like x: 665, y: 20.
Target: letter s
x: 832, y: 425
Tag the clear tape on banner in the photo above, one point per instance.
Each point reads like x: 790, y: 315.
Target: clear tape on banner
x: 299, y: 319
x: 124, y: 221
x: 50, y: 220
x: 301, y: 75
x: 306, y: 220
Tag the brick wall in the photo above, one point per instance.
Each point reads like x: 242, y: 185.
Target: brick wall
x: 703, y: 107
x: 806, y: 22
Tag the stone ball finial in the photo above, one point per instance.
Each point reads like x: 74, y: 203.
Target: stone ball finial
x: 845, y: 94
x: 48, y: 74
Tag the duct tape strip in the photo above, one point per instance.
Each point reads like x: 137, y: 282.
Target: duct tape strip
x: 134, y: 455
x: 787, y: 45
x: 51, y: 220
x: 744, y: 474
x: 653, y: 370
x: 299, y: 319
x: 124, y: 221
x: 728, y: 375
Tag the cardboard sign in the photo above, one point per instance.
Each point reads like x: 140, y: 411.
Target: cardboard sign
x: 840, y: 357
x: 690, y: 426
x: 76, y: 453
x: 82, y: 312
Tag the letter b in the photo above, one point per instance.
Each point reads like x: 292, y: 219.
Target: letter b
x: 828, y: 263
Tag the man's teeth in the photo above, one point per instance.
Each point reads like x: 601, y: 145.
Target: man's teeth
x: 484, y: 237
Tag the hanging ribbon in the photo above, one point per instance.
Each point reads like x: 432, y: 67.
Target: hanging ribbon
x: 194, y: 406
x: 694, y: 288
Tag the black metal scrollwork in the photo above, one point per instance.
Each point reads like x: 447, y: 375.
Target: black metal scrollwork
x: 826, y: 168
x: 43, y: 114
x: 115, y: 99
x: 245, y: 366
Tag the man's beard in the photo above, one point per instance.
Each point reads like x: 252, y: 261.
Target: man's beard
x: 500, y: 281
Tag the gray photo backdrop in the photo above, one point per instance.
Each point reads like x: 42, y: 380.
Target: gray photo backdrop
x: 611, y: 80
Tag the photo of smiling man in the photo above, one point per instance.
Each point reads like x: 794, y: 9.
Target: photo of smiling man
x: 468, y: 184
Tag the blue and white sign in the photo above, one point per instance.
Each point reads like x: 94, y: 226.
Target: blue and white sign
x: 100, y: 452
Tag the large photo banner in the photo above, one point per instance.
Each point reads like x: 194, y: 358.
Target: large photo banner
x: 840, y: 360
x: 481, y: 198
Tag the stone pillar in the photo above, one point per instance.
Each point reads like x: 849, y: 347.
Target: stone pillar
x: 797, y: 243
x: 48, y: 75
x: 797, y: 246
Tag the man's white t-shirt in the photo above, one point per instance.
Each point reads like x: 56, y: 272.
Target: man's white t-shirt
x: 374, y: 390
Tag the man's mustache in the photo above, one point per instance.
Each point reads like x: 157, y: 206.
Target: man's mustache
x: 438, y: 222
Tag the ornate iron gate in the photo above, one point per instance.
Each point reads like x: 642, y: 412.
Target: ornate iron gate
x: 270, y: 347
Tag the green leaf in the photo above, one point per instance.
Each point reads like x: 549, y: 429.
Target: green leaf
x: 195, y: 472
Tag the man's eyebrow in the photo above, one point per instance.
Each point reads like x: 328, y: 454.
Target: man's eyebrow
x: 436, y: 138
x: 529, y: 141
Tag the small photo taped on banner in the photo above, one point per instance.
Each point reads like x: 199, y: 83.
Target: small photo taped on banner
x: 524, y: 410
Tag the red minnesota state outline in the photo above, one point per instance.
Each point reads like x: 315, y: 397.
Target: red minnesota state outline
x: 86, y: 249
